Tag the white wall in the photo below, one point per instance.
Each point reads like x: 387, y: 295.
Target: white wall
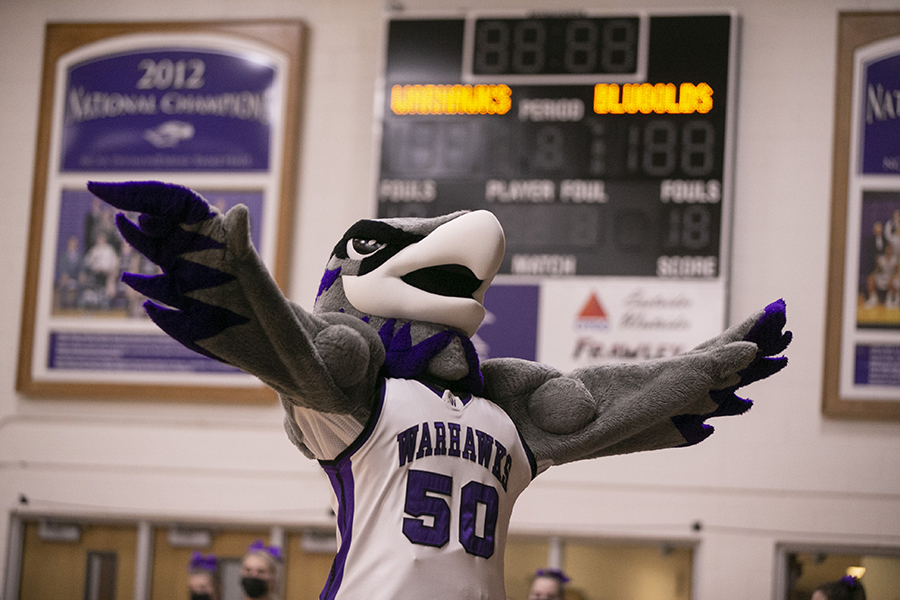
x: 780, y: 474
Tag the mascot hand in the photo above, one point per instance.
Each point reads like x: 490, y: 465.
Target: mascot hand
x: 765, y: 329
x: 179, y: 231
x: 616, y: 409
x: 221, y: 301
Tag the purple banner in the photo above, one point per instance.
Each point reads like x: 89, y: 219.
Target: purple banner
x: 168, y: 110
x: 881, y: 117
x: 509, y: 329
x: 127, y: 352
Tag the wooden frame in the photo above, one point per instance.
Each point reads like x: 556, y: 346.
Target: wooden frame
x: 265, y: 173
x: 844, y: 396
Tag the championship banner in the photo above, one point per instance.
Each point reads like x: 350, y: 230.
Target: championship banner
x: 862, y: 342
x: 210, y: 106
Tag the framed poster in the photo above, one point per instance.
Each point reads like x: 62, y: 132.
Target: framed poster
x: 603, y: 144
x: 212, y: 106
x: 862, y: 350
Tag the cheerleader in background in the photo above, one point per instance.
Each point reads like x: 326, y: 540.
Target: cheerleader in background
x: 203, y: 577
x: 846, y: 588
x: 260, y: 572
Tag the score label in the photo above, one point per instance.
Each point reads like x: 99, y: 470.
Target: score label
x: 601, y: 142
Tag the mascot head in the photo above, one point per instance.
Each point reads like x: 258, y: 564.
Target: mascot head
x: 420, y: 283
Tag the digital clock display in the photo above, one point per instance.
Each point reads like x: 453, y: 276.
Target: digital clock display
x: 600, y: 142
x: 555, y: 45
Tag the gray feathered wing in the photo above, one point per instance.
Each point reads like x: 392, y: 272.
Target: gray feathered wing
x: 215, y: 296
x: 617, y: 409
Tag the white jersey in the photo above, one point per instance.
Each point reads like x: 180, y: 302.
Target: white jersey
x: 424, y: 497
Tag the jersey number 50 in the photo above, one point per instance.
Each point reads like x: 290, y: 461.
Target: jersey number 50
x: 419, y: 504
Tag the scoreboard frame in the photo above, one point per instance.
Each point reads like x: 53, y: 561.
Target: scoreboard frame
x: 645, y: 97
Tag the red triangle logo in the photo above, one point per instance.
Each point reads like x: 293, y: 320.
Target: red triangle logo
x: 592, y: 309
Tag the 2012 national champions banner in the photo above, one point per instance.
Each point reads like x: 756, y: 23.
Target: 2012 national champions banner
x: 205, y: 105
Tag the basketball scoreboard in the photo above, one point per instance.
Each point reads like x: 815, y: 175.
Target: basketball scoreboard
x: 602, y: 143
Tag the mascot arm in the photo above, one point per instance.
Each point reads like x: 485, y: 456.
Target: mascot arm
x: 617, y: 409
x: 219, y: 300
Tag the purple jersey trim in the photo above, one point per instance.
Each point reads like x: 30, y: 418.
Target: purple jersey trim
x: 531, y: 460
x: 364, y: 435
x: 341, y: 477
x: 340, y: 474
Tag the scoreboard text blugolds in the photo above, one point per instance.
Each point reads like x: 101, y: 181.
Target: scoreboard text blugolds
x: 646, y: 98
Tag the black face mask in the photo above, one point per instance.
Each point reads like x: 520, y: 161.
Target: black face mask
x: 200, y: 596
x: 254, y: 586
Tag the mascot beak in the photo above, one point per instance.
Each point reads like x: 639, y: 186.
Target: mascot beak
x: 440, y: 279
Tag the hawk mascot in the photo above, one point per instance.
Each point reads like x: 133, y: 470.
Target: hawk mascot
x: 426, y: 447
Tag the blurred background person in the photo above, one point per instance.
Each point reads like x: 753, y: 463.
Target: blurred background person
x: 99, y: 272
x: 203, y: 577
x: 548, y: 584
x: 846, y: 588
x: 260, y: 572
x: 68, y: 269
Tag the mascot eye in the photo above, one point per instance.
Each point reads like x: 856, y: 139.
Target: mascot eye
x: 359, y: 249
